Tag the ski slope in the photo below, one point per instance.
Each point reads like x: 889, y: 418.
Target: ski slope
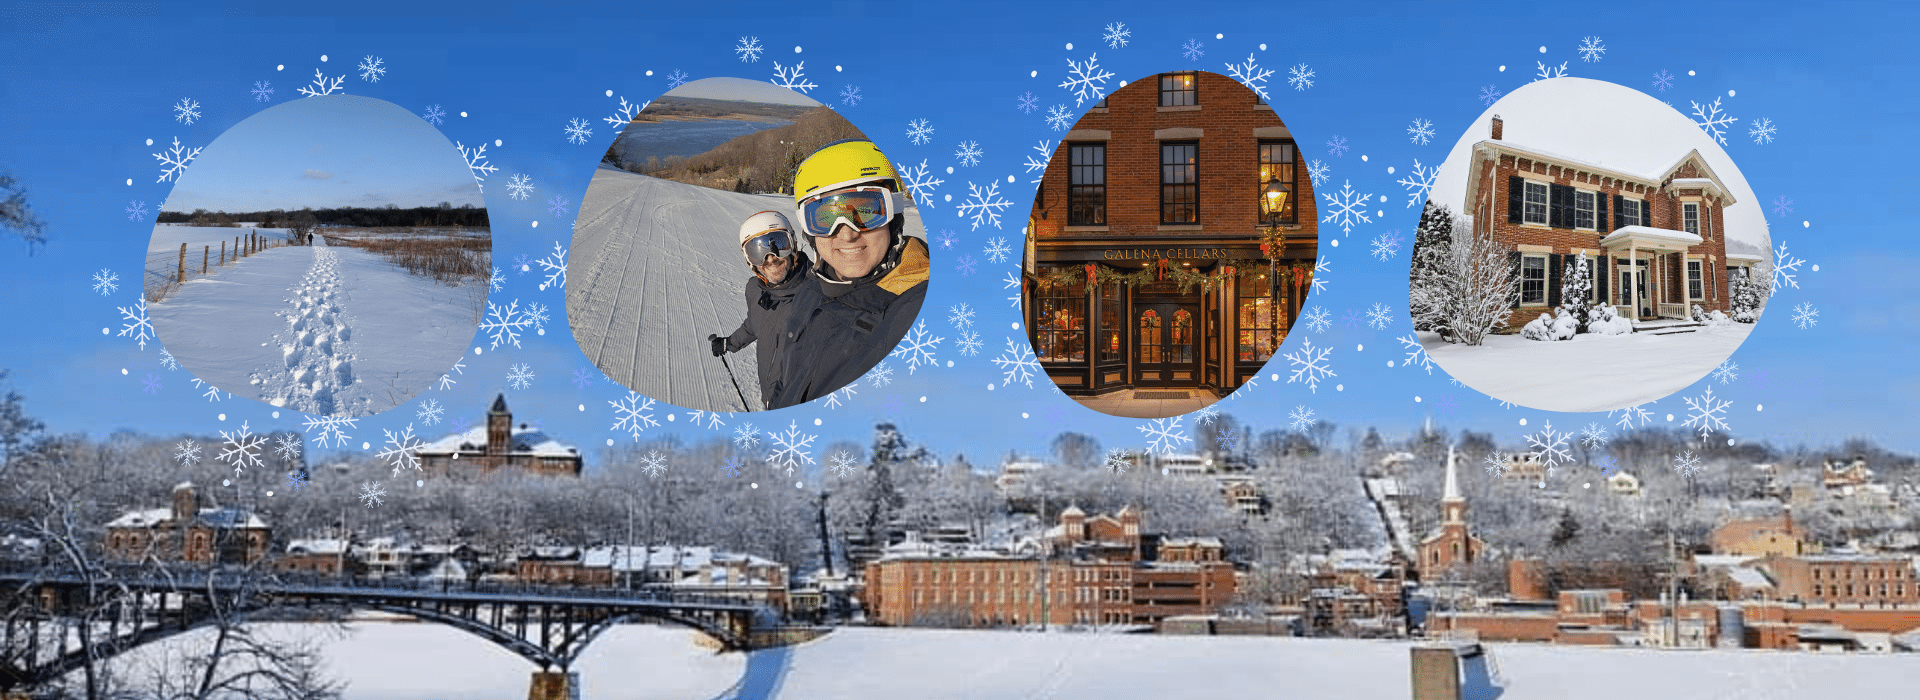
x: 656, y: 268
x: 328, y: 331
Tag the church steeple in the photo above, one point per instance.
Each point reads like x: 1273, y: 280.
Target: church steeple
x: 1453, y: 506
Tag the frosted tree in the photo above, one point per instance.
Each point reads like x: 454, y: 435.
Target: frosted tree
x: 1749, y: 297
x: 1472, y: 283
x: 1430, y: 242
x: 1576, y: 283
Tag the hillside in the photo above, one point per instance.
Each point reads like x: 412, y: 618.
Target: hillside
x: 760, y: 162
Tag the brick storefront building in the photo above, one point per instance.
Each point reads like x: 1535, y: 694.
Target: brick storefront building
x: 1147, y: 267
x: 190, y: 533
x: 485, y: 449
x: 1657, y: 242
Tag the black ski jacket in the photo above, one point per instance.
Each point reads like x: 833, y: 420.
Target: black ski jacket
x: 767, y: 310
x: 839, y: 330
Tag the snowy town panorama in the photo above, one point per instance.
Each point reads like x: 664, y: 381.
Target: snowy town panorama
x: 1448, y: 544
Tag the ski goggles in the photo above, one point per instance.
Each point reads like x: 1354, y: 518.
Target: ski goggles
x: 864, y: 209
x: 777, y: 243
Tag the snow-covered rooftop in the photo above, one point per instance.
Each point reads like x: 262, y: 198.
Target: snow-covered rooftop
x: 1650, y: 234
x: 523, y: 439
x: 1749, y: 577
x: 214, y: 517
x: 316, y: 546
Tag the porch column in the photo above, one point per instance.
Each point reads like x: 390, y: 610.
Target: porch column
x: 1633, y: 270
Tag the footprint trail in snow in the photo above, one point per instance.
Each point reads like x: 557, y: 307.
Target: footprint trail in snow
x: 316, y: 346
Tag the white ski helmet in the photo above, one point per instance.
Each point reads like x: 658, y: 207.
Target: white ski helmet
x: 763, y: 234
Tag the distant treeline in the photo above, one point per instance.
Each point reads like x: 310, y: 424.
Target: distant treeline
x: 697, y: 108
x: 762, y: 161
x: 463, y: 216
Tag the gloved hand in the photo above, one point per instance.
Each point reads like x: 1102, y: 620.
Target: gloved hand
x: 719, y: 345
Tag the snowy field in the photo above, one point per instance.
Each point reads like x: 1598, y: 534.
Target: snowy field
x: 655, y: 268
x: 418, y: 661
x: 1591, y: 372
x: 321, y: 330
x: 163, y: 249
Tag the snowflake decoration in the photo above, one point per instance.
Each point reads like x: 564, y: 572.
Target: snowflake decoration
x: 1013, y: 282
x: 1250, y: 75
x: 582, y: 378
x: 1164, y: 435
x: 1496, y: 467
x: 917, y: 348
x: 241, y: 448
x: 296, y: 480
x: 434, y: 115
x: 1591, y: 48
x: 1058, y: 117
x: 1337, y: 146
x: 946, y: 240
x: 1345, y: 207
x: 997, y: 251
x: 1027, y: 102
x: 1087, y: 81
x: 842, y: 396
x: 460, y: 424
x: 1379, y: 316
x: 792, y: 78
x: 519, y: 186
x: 559, y: 206
x: 1547, y: 71
x: 1228, y: 439
x: 1352, y: 319
x: 1301, y: 418
x: 1117, y: 35
x: 136, y: 210
x: 429, y: 412
x: 746, y: 436
x: 287, y: 447
x: 1762, y: 131
x: 1663, y: 80
x: 749, y: 49
x: 1687, y: 465
x: 984, y: 203
x: 1318, y: 171
x: 330, y: 427
x: 187, y: 453
x: 1782, y: 206
x: 105, y: 281
x: 186, y: 111
x: 577, y: 131
x: 402, y: 451
x: 1712, y: 120
x: 322, y: 87
x: 1706, y: 411
x: 633, y: 414
x: 1310, y: 366
x: 1419, y: 182
x: 1446, y: 404
x: 1316, y: 319
x: 1550, y: 446
x: 537, y: 314
x: 850, y: 95
x: 969, y: 153
x: 477, y: 162
x: 495, y: 280
x: 1422, y: 131
x: 1725, y: 372
x: 174, y: 160
x: 137, y: 323
x: 446, y: 380
x: 555, y: 266
x: 520, y: 376
x: 892, y: 407
x: 961, y: 316
x: 1017, y: 363
x: 1489, y: 95
x: 1386, y: 245
x: 880, y: 376
x: 1804, y: 315
x: 371, y: 493
x: 1038, y: 161
x: 919, y: 133
x: 964, y: 265
x: 504, y: 324
x: 1608, y: 467
x: 841, y: 464
x: 1759, y: 378
x: 1191, y: 50
x: 370, y: 69
x: 920, y: 182
x: 678, y: 78
x: 1632, y: 414
x: 262, y: 90
x: 710, y: 418
x: 789, y: 449
x: 1784, y: 266
x: 731, y: 467
x: 167, y: 361
x: 969, y: 343
x: 1416, y: 353
x: 1300, y: 77
x: 1594, y: 436
x: 623, y: 116
x: 1319, y: 274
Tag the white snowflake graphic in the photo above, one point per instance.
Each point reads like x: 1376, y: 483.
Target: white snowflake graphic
x: 1017, y: 363
x: 1631, y: 415
x: 1379, y: 316
x: 792, y: 78
x: 920, y: 182
x: 1164, y: 435
x: 1784, y: 266
x: 746, y: 436
x: 167, y: 361
x: 519, y: 186
x: 1804, y: 315
x: 1250, y: 75
x: 1316, y: 319
x: 917, y: 348
x: 880, y: 376
x: 495, y: 280
x: 402, y: 450
x: 555, y: 266
x: 1207, y: 414
x: 559, y: 206
x: 1782, y: 206
x: 1762, y: 131
x: 633, y: 414
x: 842, y: 396
x: 624, y: 115
x: 1318, y: 171
x: 1419, y: 182
x: 969, y: 153
x: 187, y: 453
x: 150, y: 385
x: 322, y: 87
x: 1416, y: 353
x: 1027, y: 102
x: 678, y: 78
x: 850, y: 95
x: 1320, y: 270
x: 1687, y: 465
x: 1301, y: 418
x: 1663, y: 81
x: 371, y: 493
x: 331, y: 427
x: 370, y: 69
x: 1496, y: 466
x: 287, y: 447
x: 841, y: 464
x: 1386, y: 245
x: 961, y: 316
x: 1725, y: 372
x: 186, y: 111
x: 997, y: 251
x: 653, y: 463
x: 1352, y: 319
x: 1489, y: 95
x: 1117, y: 460
x: 520, y: 376
x: 984, y: 203
x: 105, y: 282
x: 919, y: 133
x: 1421, y: 131
x: 1712, y: 120
x: 1013, y: 283
x: 504, y: 324
x: 749, y: 49
x: 1591, y: 48
x: 241, y: 448
x: 1300, y: 77
x: 946, y: 239
x: 1594, y: 436
x: 1038, y: 163
x: 429, y: 412
x: 1337, y: 146
x: 136, y: 322
x: 1058, y: 117
x: 1192, y: 49
x: 1550, y: 446
x: 1707, y: 412
x: 262, y: 90
x: 1310, y: 366
x: 1087, y: 80
x: 1547, y: 71
x: 136, y: 210
x: 1346, y: 207
x: 1117, y: 35
x: 477, y: 162
x: 174, y: 160
x: 969, y: 343
x: 577, y: 131
x: 789, y: 449
x: 434, y: 115
x: 964, y: 265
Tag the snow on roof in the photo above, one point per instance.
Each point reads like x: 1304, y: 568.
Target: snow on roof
x: 1720, y: 561
x: 1649, y: 233
x: 213, y: 517
x: 316, y: 546
x: 524, y: 439
x: 143, y: 518
x: 1749, y: 577
x: 1190, y: 541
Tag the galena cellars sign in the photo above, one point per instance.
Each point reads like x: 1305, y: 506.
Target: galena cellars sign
x: 1166, y: 253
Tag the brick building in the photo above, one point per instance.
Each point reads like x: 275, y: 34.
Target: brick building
x: 188, y: 532
x: 1149, y: 261
x: 1657, y: 241
x: 1452, y: 544
x: 1760, y: 537
x: 499, y: 445
x: 1844, y: 579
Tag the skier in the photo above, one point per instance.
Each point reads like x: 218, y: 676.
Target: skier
x: 767, y: 241
x: 868, y: 283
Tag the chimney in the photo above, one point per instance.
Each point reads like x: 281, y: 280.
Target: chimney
x: 1496, y: 127
x: 185, y: 505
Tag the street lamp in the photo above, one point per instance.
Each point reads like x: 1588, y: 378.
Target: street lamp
x: 1273, y: 203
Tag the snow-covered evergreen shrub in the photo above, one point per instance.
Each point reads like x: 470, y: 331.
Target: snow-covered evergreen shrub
x: 1559, y: 326
x: 1603, y: 321
x: 1426, y: 289
x: 1715, y: 318
x: 1749, y: 298
x: 1576, y: 286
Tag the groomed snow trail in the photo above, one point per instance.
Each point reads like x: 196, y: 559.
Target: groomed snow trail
x: 316, y: 346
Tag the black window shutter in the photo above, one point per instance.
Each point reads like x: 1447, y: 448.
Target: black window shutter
x: 1559, y: 206
x: 1600, y: 277
x: 1600, y: 214
x: 1515, y: 198
x: 1513, y: 263
x: 1554, y: 276
x: 1646, y: 213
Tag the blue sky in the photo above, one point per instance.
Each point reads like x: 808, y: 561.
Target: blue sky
x: 1833, y: 80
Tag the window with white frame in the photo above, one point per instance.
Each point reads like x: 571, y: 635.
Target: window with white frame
x: 1633, y: 212
x: 1690, y: 217
x: 1694, y: 288
x: 1535, y: 211
x: 1583, y: 209
x: 1533, y: 280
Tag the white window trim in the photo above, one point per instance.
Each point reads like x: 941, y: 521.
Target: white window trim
x: 1544, y: 277
x: 1546, y: 202
x: 1701, y: 275
x: 1640, y: 210
x: 1592, y: 213
x: 1696, y: 217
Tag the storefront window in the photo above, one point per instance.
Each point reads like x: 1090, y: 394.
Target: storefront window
x: 1110, y: 326
x: 1060, y: 323
x: 1150, y: 337
x: 1256, y: 341
x: 1277, y: 164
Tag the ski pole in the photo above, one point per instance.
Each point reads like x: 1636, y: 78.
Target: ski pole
x: 736, y: 383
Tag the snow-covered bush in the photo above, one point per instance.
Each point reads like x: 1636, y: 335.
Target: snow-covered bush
x: 1699, y: 316
x: 1559, y: 326
x: 1577, y: 284
x: 1715, y: 318
x: 1463, y: 289
x: 1603, y: 321
x: 1749, y: 298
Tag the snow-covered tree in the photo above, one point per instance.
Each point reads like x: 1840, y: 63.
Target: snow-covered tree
x: 1749, y: 297
x: 1471, y: 284
x: 1576, y: 283
x: 1430, y: 240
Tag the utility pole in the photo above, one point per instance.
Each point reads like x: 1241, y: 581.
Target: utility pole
x: 626, y: 548
x: 1673, y: 591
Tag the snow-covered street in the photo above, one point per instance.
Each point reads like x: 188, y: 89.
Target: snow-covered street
x: 1591, y: 372
x: 352, y: 335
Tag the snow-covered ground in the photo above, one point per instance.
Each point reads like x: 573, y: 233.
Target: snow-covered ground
x: 656, y: 268
x: 404, y: 661
x: 325, y: 331
x: 1591, y: 372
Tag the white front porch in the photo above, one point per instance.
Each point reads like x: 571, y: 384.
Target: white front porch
x: 1645, y: 291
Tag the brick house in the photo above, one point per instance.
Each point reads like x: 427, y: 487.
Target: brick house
x: 1147, y: 267
x: 1761, y: 537
x: 1657, y: 241
x: 188, y: 532
x: 499, y: 445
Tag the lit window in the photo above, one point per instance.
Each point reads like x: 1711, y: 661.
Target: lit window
x: 1178, y: 89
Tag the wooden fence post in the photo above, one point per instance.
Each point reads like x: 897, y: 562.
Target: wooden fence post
x: 183, y: 263
x: 204, y: 252
x: 223, y: 253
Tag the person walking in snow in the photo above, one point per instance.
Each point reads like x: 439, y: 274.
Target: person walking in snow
x: 767, y: 241
x: 868, y: 284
